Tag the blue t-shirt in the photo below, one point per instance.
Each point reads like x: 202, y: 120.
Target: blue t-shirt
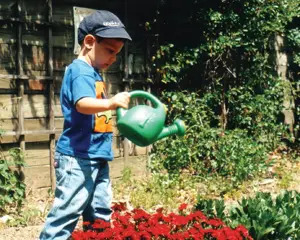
x: 84, y: 136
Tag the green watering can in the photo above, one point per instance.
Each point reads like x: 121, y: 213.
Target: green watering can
x: 143, y: 124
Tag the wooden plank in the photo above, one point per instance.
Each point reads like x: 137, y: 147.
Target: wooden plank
x: 45, y: 137
x: 30, y: 124
x: 28, y: 138
x: 51, y: 97
x: 8, y: 54
x: 8, y: 9
x: 7, y: 83
x: 113, y: 88
x: 62, y: 57
x: 34, y: 106
x: 137, y: 164
x: 63, y: 37
x: 37, y: 176
x: 31, y: 82
x: 20, y: 71
x: 63, y: 14
x: 34, y: 10
x: 37, y: 154
x: 35, y: 58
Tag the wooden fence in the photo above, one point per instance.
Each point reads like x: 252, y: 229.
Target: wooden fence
x: 36, y: 44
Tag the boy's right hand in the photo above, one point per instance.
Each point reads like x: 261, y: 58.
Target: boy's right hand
x: 121, y: 99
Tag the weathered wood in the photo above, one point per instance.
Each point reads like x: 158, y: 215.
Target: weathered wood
x: 51, y: 97
x: 35, y: 59
x: 37, y: 177
x: 63, y: 14
x: 137, y: 164
x: 6, y: 9
x: 8, y: 54
x: 32, y: 82
x: 20, y: 71
x: 34, y: 10
x: 28, y: 138
x: 43, y: 136
x: 37, y: 154
x: 62, y: 57
x: 63, y: 38
x: 30, y: 124
x: 34, y: 106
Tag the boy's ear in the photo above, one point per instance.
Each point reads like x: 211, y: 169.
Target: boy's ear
x: 89, y: 41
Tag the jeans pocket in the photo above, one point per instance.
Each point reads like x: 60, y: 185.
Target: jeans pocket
x: 62, y: 165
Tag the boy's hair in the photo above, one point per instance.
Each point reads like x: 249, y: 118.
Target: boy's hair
x: 103, y: 24
x: 98, y: 39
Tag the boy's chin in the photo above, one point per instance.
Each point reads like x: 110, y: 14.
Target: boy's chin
x: 104, y: 67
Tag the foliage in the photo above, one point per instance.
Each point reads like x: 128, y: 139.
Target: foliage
x: 138, y: 224
x: 264, y: 217
x: 216, y: 62
x: 12, y: 188
x: 206, y: 149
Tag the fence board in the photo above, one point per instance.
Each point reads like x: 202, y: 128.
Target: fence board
x: 8, y: 54
x: 35, y: 105
x: 8, y: 9
x: 37, y: 154
x: 37, y: 177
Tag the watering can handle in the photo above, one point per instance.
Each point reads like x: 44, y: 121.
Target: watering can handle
x: 140, y: 94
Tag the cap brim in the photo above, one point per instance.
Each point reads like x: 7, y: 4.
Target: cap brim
x: 114, y: 33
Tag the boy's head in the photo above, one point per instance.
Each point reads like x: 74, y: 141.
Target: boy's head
x: 101, y: 36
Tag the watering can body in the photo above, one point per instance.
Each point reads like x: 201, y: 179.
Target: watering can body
x: 143, y: 124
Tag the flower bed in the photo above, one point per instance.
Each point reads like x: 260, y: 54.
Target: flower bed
x: 138, y: 224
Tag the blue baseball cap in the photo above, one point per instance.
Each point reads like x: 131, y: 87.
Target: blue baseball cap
x: 104, y: 24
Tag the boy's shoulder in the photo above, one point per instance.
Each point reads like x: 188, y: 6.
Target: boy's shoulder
x: 79, y: 67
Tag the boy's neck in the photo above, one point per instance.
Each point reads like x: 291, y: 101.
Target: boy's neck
x: 84, y: 58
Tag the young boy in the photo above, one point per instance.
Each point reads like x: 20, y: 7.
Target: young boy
x: 85, y: 146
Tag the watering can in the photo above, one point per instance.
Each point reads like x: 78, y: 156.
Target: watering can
x: 143, y: 125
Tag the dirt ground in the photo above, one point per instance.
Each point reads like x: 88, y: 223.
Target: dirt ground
x: 42, y: 201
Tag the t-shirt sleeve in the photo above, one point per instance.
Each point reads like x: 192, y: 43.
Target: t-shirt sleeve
x: 83, y: 86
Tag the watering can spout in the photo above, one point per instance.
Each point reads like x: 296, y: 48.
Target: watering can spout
x: 176, y: 128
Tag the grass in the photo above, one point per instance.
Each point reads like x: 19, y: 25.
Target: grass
x: 157, y: 190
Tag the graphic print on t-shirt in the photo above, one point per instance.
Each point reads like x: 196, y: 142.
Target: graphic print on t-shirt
x: 102, y: 119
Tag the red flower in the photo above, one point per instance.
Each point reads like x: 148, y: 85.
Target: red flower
x: 244, y: 232
x: 100, y: 224
x: 198, y: 215
x: 178, y: 220
x: 159, y: 210
x: 182, y: 206
x: 144, y: 235
x: 140, y: 225
x: 140, y: 214
x: 215, y: 222
x: 119, y: 207
x: 107, y: 234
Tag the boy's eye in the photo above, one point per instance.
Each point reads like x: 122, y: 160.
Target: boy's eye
x: 111, y: 51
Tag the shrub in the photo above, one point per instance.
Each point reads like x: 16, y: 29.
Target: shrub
x: 207, y: 149
x: 12, y: 188
x: 264, y: 217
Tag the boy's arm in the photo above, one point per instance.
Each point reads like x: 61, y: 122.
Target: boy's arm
x: 89, y: 105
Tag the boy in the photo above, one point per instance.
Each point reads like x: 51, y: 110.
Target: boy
x: 84, y: 148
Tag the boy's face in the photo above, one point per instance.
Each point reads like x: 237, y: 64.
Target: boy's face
x: 104, y: 53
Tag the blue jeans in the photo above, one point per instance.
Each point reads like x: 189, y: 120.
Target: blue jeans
x: 82, y: 188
